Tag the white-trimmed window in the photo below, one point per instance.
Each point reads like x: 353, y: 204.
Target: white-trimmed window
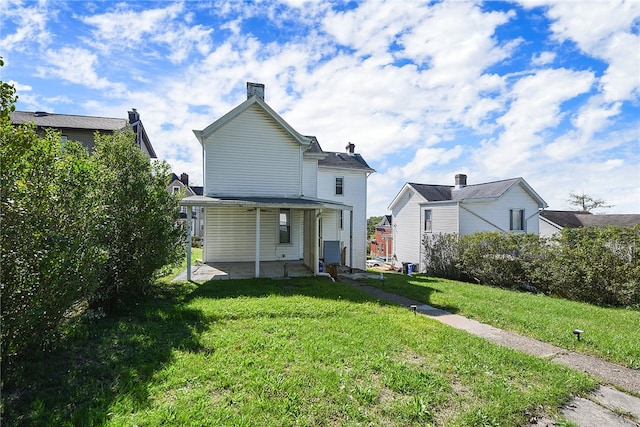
x: 176, y: 189
x: 339, y: 186
x: 285, y: 226
x: 341, y: 220
x: 427, y: 226
x: 516, y: 219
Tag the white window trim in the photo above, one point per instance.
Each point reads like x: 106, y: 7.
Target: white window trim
x: 424, y: 221
x: 290, y: 225
x: 523, y: 224
x: 335, y: 188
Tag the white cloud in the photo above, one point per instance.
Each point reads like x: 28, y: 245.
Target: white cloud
x: 76, y: 65
x: 30, y: 25
x: 543, y: 58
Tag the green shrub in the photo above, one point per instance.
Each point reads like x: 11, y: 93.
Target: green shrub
x: 49, y: 258
x: 139, y: 219
x: 441, y: 255
x: 595, y: 265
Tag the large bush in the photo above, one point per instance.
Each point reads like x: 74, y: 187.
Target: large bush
x: 49, y: 256
x: 595, y: 265
x: 441, y: 255
x: 138, y: 222
x: 75, y: 228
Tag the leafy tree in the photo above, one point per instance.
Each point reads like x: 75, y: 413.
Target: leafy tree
x: 7, y: 96
x: 371, y: 226
x: 138, y: 222
x: 48, y: 258
x: 586, y: 203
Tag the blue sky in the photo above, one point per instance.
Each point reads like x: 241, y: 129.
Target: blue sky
x: 549, y: 91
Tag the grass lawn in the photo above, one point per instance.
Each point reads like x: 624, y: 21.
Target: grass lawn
x: 280, y: 353
x: 610, y: 333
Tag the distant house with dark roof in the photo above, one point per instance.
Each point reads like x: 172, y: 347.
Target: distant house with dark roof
x: 83, y: 128
x: 551, y: 222
x: 507, y: 206
x: 180, y: 184
x: 272, y: 194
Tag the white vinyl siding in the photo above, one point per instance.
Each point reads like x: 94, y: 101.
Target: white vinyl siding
x: 407, y: 228
x: 253, y: 156
x: 230, y: 235
x: 494, y: 215
x: 310, y: 178
x: 355, y: 195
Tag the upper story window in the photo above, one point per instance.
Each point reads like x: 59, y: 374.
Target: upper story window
x: 427, y: 221
x: 339, y: 186
x: 285, y: 225
x: 176, y: 189
x: 516, y: 220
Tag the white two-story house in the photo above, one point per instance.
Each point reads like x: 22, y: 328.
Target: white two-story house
x: 272, y: 194
x: 509, y: 205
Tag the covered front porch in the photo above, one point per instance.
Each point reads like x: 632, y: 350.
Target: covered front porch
x: 240, y: 229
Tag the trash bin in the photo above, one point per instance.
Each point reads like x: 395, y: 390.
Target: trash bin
x: 405, y: 267
x: 410, y: 268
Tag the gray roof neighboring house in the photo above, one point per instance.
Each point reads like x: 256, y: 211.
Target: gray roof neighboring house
x: 68, y: 121
x: 487, y: 190
x: 577, y: 219
x: 64, y: 122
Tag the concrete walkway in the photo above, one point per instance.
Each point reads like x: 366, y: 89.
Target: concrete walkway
x: 605, y: 406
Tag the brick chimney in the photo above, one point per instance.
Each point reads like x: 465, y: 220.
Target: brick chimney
x: 134, y: 116
x: 184, y: 178
x: 350, y: 148
x: 256, y: 89
x: 461, y: 181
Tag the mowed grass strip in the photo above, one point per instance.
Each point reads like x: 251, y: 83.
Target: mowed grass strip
x: 609, y: 333
x: 303, y: 352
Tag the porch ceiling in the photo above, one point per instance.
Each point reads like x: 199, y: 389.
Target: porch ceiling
x: 264, y: 202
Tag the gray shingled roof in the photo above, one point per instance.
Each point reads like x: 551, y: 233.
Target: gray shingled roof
x: 68, y: 121
x: 577, y: 219
x: 344, y: 160
x: 487, y: 190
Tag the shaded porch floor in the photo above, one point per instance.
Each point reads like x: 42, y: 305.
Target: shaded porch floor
x: 245, y: 270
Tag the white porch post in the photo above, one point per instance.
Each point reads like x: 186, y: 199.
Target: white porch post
x: 189, y: 210
x: 257, y: 271
x: 351, y: 238
x: 316, y: 243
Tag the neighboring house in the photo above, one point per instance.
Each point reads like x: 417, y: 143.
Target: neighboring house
x: 551, y: 222
x: 382, y: 244
x: 505, y: 206
x: 271, y: 193
x: 83, y: 128
x: 181, y: 185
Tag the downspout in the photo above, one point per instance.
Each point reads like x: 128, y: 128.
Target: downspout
x: 189, y: 210
x: 257, y: 270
